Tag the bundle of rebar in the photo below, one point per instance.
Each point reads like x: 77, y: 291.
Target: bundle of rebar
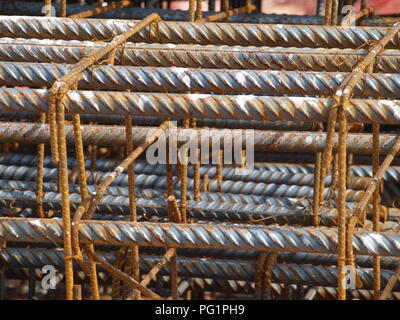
x: 198, y: 154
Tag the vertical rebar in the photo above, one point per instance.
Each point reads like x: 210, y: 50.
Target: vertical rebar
x: 219, y: 169
x: 196, y: 175
x: 63, y: 8
x: 184, y: 172
x: 328, y: 12
x: 375, y: 210
x: 64, y: 189
x: 39, y: 173
x: 342, y: 204
x: 204, y: 186
x: 224, y: 5
x: 199, y: 9
x: 169, y: 173
x: 83, y: 188
x: 335, y: 12
x: 176, y: 217
x: 132, y: 265
x: 317, y: 189
x: 80, y: 157
x: 335, y: 171
x: 77, y: 292
x: 191, y: 11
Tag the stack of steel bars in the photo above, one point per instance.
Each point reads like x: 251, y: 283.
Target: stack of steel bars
x: 198, y: 159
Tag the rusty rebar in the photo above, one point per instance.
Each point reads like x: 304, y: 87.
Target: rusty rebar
x: 264, y: 140
x: 200, y: 33
x: 64, y: 190
x: 375, y: 212
x: 200, y: 235
x: 40, y: 162
x: 215, y: 57
x: 247, y: 107
x: 359, y: 210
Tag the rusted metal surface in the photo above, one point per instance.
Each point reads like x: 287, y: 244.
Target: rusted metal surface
x: 272, y: 141
x: 200, y: 80
x: 300, y: 89
x: 227, y: 107
x: 186, y: 32
x: 192, y: 56
x: 290, y: 239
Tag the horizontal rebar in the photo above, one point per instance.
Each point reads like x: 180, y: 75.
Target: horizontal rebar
x: 201, y: 268
x: 157, y: 182
x: 200, y: 80
x: 260, y: 173
x: 271, y: 141
x: 201, y: 105
x: 195, y: 33
x: 197, y: 56
x: 201, y: 235
x: 271, y: 211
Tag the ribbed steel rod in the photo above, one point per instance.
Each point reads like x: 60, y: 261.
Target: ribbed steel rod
x: 159, y: 194
x: 195, y: 56
x: 271, y: 141
x: 195, y: 33
x: 201, y: 105
x: 37, y: 257
x: 204, y: 210
x: 389, y: 263
x: 194, y: 235
x: 157, y: 182
x: 260, y: 173
x: 199, y: 80
x: 228, y: 173
x: 216, y: 285
x: 156, y: 121
x: 201, y: 268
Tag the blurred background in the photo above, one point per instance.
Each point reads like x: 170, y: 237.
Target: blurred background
x: 301, y: 7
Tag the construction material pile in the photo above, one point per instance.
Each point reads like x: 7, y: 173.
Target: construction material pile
x: 198, y: 159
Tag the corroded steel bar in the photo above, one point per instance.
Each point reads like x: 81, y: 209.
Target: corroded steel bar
x: 259, y: 174
x: 195, y: 56
x: 254, y: 237
x: 203, y: 210
x: 196, y: 33
x: 156, y: 121
x: 201, y: 268
x: 158, y: 193
x: 38, y: 257
x: 227, y: 287
x: 157, y: 182
x: 389, y: 263
x: 199, y: 80
x: 201, y: 105
x: 271, y: 141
